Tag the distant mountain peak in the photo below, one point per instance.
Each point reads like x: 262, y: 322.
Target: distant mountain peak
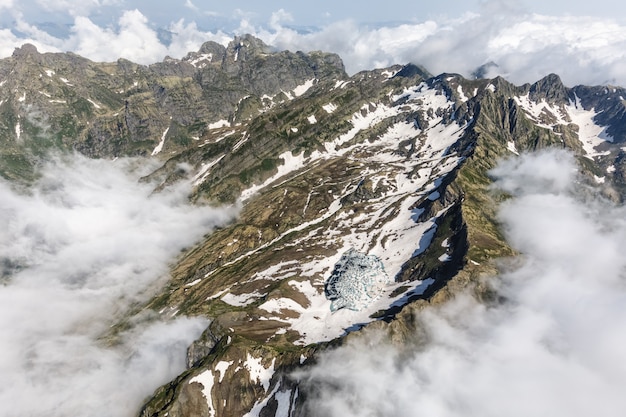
x: 27, y: 49
x: 550, y: 88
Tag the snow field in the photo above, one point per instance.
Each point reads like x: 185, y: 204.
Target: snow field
x: 388, y: 230
x: 590, y: 133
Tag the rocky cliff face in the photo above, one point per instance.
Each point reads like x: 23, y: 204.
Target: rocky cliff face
x: 390, y: 163
x: 118, y: 109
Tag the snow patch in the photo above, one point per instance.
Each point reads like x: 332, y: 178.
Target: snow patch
x: 260, y: 405
x: 303, y: 88
x: 222, y: 367
x: 290, y: 163
x: 203, y: 58
x: 96, y: 105
x: 547, y: 116
x: 329, y: 108
x: 445, y: 258
x: 258, y: 373
x: 462, y: 95
x: 218, y: 139
x: 589, y: 133
x: 341, y: 84
x: 206, y: 379
x: 312, y: 120
x: 218, y: 124
x: 241, y: 300
x: 283, y: 398
x: 239, y: 144
x: 276, y: 305
x: 205, y: 171
x: 388, y: 74
x: 159, y: 147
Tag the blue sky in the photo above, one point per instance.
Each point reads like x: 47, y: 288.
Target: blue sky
x: 584, y: 42
x: 213, y: 14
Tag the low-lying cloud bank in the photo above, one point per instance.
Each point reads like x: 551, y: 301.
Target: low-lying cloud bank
x: 77, y: 250
x: 525, y: 47
x: 554, y: 347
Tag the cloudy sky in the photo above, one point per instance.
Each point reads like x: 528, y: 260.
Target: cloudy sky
x: 584, y: 42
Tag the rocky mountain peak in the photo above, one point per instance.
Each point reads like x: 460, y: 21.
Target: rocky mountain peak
x: 25, y: 50
x: 502, y: 85
x: 550, y: 88
x: 211, y: 47
x: 248, y: 45
x: 483, y: 70
x: 27, y: 55
x: 411, y: 70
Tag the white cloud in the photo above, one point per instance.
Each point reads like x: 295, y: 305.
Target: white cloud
x: 525, y: 47
x: 187, y: 37
x: 190, y: 5
x: 360, y: 47
x: 554, y: 347
x: 47, y: 41
x: 549, y: 44
x: 9, y: 41
x: 79, y: 249
x: 74, y: 8
x: 133, y: 40
x: 279, y: 17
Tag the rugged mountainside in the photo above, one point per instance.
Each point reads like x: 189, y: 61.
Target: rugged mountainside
x: 334, y: 176
x: 115, y: 109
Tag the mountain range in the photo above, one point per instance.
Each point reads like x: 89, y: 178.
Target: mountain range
x: 360, y: 200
